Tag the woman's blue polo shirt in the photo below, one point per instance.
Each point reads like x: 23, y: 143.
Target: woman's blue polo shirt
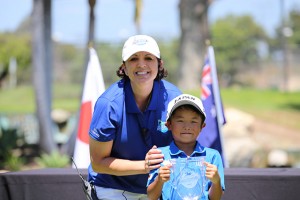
x: 116, y: 117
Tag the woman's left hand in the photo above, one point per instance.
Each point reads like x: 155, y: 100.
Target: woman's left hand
x: 153, y: 159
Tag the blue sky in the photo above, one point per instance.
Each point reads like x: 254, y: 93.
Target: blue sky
x: 114, y: 18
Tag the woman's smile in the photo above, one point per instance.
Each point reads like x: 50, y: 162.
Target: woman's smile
x: 142, y: 73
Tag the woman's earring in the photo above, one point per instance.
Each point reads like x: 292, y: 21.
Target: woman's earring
x: 125, y: 70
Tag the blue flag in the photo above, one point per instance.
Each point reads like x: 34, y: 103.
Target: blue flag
x: 211, y: 135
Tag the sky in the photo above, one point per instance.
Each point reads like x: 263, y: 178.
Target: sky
x: 114, y: 18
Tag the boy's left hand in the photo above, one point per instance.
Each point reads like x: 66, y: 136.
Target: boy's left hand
x: 212, y: 173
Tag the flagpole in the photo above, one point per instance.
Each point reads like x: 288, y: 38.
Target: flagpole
x: 217, y: 99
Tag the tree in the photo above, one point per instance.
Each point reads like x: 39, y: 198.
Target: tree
x: 294, y: 40
x: 14, y: 46
x: 235, y: 44
x: 42, y: 71
x: 137, y: 15
x: 194, y: 33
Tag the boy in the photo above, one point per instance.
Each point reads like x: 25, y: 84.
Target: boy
x: 185, y: 119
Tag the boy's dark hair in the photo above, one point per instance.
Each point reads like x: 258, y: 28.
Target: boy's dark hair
x: 188, y: 107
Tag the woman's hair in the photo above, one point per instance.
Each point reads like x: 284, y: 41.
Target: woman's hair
x: 162, y: 72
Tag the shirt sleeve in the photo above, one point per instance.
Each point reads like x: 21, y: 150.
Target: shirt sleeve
x: 217, y: 161
x: 104, y: 121
x: 152, y: 176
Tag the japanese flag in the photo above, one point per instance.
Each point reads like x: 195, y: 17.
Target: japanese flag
x: 92, y: 89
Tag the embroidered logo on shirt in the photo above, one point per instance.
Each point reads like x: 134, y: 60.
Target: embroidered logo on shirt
x: 161, y: 126
x: 94, y: 133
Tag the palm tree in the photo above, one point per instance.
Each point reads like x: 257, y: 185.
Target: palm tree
x: 137, y: 15
x: 194, y: 33
x: 42, y: 71
x: 91, y: 22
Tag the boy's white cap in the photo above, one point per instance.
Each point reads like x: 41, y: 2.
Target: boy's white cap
x: 185, y: 99
x: 138, y: 43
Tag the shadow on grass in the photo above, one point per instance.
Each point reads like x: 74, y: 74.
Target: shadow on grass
x: 293, y: 106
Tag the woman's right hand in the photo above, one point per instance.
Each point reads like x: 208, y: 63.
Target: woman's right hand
x: 153, y: 159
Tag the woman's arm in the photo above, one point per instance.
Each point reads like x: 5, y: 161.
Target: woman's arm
x: 102, y: 162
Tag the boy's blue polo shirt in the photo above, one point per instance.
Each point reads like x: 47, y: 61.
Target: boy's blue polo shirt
x: 117, y: 117
x: 172, y: 152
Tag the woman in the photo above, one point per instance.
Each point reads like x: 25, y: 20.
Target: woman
x: 129, y: 123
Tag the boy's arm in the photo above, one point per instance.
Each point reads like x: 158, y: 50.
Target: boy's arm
x: 154, y: 190
x: 215, y: 191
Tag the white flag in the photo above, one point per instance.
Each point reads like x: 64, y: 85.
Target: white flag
x: 92, y: 89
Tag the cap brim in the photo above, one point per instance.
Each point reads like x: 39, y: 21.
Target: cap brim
x: 186, y: 102
x: 125, y: 57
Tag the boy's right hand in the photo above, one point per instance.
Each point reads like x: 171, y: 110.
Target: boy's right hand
x: 164, y: 173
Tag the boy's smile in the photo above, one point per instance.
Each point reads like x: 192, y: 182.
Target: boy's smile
x: 185, y: 125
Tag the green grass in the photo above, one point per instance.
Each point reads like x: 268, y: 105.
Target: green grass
x: 274, y: 106
x: 67, y: 97
x: 21, y: 100
x: 270, y: 105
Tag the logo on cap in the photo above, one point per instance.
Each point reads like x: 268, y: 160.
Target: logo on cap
x: 184, y: 97
x: 140, y: 41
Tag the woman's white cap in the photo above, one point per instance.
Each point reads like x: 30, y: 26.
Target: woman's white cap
x: 139, y: 43
x: 185, y: 99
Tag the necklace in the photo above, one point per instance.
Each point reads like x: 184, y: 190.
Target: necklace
x: 149, y: 99
x: 143, y: 106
